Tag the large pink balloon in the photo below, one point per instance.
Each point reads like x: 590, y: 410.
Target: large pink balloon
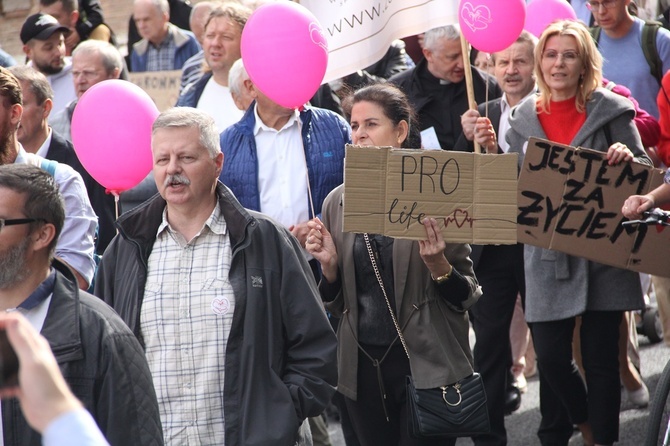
x: 111, y: 133
x: 285, y: 52
x: 491, y: 25
x: 542, y: 12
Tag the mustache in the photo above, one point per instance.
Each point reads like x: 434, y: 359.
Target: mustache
x: 174, y: 180
x: 512, y: 77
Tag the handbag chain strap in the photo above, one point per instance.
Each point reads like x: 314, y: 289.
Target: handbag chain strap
x: 381, y: 284
x: 444, y: 389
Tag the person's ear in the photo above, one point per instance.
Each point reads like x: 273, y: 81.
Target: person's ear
x: 74, y: 16
x: 402, y: 130
x: 43, y: 236
x: 48, y: 106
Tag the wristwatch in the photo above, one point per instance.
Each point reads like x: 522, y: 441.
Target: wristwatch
x: 444, y: 277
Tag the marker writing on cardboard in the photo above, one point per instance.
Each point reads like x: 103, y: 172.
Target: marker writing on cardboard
x: 581, y: 211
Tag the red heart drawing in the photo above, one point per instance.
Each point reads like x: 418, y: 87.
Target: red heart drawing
x: 476, y: 17
x: 220, y: 306
x: 460, y: 217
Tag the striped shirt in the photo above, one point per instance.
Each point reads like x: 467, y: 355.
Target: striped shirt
x: 186, y: 318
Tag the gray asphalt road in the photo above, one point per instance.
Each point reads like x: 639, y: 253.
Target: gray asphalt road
x: 522, y: 425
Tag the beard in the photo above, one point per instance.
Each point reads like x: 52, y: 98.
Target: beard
x: 13, y: 269
x: 48, y: 69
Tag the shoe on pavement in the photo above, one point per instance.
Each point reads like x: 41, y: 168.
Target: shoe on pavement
x: 512, y: 400
x: 640, y: 397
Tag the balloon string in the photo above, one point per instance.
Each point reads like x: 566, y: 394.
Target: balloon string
x: 116, y: 207
x: 486, y: 104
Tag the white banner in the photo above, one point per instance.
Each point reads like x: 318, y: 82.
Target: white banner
x: 359, y: 32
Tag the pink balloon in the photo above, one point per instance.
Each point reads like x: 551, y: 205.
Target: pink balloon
x: 285, y: 52
x: 491, y: 25
x: 542, y: 12
x: 111, y: 133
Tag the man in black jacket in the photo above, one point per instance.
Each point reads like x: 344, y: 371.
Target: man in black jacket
x: 499, y: 268
x: 436, y: 86
x: 37, y: 137
x: 222, y: 299
x: 99, y: 357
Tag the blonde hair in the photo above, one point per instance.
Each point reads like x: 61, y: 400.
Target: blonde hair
x: 592, y: 62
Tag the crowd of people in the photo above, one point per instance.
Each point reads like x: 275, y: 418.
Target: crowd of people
x: 226, y: 305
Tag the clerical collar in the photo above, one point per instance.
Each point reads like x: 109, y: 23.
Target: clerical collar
x: 44, y: 290
x: 444, y: 82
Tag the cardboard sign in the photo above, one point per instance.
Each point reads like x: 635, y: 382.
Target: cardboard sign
x: 162, y: 86
x: 570, y: 200
x: 359, y: 32
x: 389, y: 191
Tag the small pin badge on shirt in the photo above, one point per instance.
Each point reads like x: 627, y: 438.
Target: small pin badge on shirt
x: 220, y: 306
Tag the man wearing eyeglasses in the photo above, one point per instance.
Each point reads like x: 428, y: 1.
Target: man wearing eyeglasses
x: 93, y: 61
x: 100, y: 359
x: 621, y: 45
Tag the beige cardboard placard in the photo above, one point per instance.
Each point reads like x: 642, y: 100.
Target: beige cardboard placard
x: 162, y: 86
x: 389, y: 191
x: 570, y: 200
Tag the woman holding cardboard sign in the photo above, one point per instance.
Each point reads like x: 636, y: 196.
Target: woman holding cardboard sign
x: 572, y: 109
x: 424, y: 287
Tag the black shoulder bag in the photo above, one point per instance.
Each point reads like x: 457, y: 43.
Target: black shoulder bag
x: 454, y: 410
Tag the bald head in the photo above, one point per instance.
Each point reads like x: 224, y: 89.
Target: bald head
x: 198, y: 18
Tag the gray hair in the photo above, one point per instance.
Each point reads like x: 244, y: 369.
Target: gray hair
x: 177, y: 117
x: 110, y: 56
x: 449, y: 32
x: 38, y: 83
x: 236, y: 77
x: 161, y: 5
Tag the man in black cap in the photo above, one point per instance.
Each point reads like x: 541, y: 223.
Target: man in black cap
x: 44, y: 45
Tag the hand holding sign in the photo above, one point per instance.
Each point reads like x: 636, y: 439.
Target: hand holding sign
x: 491, y: 25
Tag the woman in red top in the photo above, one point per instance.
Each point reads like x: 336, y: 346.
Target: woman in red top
x: 572, y: 108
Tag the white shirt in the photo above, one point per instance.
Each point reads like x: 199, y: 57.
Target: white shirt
x: 282, y: 171
x: 44, y: 148
x: 76, y: 242
x: 74, y: 428
x: 217, y: 102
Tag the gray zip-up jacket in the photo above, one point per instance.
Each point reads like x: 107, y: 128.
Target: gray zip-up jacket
x: 281, y: 353
x: 558, y: 285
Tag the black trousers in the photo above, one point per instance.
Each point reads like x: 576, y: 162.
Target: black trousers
x: 367, y: 412
x: 501, y: 276
x: 565, y: 399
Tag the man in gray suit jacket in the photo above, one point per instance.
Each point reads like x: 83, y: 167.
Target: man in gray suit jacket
x: 499, y: 269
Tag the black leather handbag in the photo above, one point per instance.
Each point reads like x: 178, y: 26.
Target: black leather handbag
x: 457, y: 410
x: 454, y: 410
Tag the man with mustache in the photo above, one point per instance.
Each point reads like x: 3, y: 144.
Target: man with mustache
x: 499, y: 269
x: 222, y: 298
x: 436, y: 86
x: 44, y: 44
